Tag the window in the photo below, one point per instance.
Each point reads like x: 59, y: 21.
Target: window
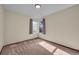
x: 37, y: 26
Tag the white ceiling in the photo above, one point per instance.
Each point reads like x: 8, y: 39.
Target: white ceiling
x: 30, y: 10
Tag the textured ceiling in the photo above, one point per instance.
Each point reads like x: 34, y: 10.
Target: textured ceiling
x: 30, y: 10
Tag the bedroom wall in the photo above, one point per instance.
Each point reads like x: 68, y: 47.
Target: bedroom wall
x: 16, y: 27
x: 1, y: 26
x: 63, y: 27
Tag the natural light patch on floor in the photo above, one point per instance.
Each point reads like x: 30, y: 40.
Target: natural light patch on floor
x: 52, y: 49
x: 60, y: 52
x: 47, y: 46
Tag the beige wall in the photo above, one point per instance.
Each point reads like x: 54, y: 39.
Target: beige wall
x: 63, y: 27
x: 1, y: 26
x: 16, y: 27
